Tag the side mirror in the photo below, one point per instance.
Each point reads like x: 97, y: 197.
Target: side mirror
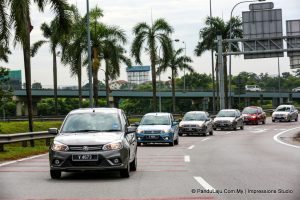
x: 131, y: 129
x: 174, y: 123
x: 53, y: 131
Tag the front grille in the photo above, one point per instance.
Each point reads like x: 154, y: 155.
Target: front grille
x: 190, y: 126
x: 85, y: 147
x: 98, y: 163
x: 152, y: 132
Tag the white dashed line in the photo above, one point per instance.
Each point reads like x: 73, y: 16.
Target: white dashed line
x: 203, y: 183
x: 279, y: 141
x: 191, y: 147
x: 205, y: 139
x: 187, y: 159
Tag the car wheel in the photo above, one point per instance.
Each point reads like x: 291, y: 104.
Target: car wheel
x: 296, y: 119
x: 125, y: 173
x: 256, y: 122
x: 235, y: 127
x: 214, y: 129
x: 289, y: 120
x: 273, y: 120
x: 133, y: 164
x: 171, y: 143
x: 55, y: 174
x: 211, y: 132
x: 139, y: 144
x: 264, y: 121
x: 180, y: 134
x: 176, y: 142
x: 242, y: 127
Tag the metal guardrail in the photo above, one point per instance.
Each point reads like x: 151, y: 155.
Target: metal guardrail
x: 24, y: 137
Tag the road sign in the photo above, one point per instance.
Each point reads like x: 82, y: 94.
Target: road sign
x: 293, y: 29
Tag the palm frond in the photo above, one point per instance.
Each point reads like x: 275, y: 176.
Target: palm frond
x: 35, y: 47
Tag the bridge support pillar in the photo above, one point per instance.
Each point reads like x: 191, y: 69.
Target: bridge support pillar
x: 205, y: 102
x: 34, y: 108
x: 19, y: 106
x: 247, y: 102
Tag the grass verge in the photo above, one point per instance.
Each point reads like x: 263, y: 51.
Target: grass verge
x: 22, y: 127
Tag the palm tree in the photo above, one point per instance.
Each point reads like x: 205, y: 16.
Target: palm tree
x: 113, y: 55
x: 19, y: 20
x: 54, y: 36
x: 103, y: 37
x: 176, y: 62
x: 73, y: 48
x: 153, y: 35
x: 208, y: 34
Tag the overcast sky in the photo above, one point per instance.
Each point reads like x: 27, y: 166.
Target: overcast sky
x: 186, y: 16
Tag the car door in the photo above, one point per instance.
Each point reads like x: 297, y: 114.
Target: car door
x: 174, y: 126
x: 239, y: 118
x: 209, y: 122
x: 131, y: 137
x: 294, y: 114
x: 259, y: 115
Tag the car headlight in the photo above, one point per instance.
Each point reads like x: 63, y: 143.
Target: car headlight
x: 253, y: 117
x: 113, y: 146
x: 167, y: 130
x: 57, y: 146
x: 140, y: 131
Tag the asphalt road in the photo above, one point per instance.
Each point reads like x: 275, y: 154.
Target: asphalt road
x: 234, y: 164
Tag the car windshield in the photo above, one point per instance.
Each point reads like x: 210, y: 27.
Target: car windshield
x: 156, y: 120
x: 224, y: 113
x: 283, y: 109
x: 91, y: 122
x: 194, y: 117
x: 249, y: 111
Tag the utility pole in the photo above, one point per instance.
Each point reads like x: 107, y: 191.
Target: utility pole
x: 221, y: 72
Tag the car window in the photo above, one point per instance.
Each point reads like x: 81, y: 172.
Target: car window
x: 194, y: 117
x: 156, y: 120
x: 283, y: 109
x: 249, y: 110
x: 224, y: 113
x: 92, y: 122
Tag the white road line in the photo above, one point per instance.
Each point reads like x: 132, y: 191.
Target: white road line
x: 279, y: 141
x: 228, y: 132
x: 187, y: 159
x: 191, y: 147
x: 205, y: 139
x: 203, y: 183
x: 20, y: 160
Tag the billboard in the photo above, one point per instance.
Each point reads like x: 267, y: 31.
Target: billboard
x: 262, y: 22
x: 293, y: 29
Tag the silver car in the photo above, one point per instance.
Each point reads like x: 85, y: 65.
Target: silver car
x: 229, y: 119
x: 94, y: 139
x: 196, y: 122
x: 285, y: 113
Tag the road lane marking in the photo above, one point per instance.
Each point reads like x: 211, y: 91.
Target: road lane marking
x: 187, y: 159
x: 203, y: 183
x: 228, y: 132
x: 205, y: 139
x: 20, y: 160
x: 191, y: 147
x: 281, y: 142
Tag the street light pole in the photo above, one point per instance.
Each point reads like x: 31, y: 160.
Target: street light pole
x: 230, y: 37
x: 89, y: 54
x: 212, y: 68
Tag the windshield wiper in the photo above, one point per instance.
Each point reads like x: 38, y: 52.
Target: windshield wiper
x: 110, y: 130
x: 87, y: 130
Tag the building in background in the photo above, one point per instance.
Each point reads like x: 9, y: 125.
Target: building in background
x: 15, y: 79
x: 138, y: 74
x: 116, y: 85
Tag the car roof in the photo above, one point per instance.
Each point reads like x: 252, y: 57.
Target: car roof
x: 158, y: 114
x: 285, y: 105
x: 228, y: 110
x: 202, y: 112
x: 255, y: 107
x: 96, y: 110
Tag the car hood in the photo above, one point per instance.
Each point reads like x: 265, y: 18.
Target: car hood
x: 246, y: 115
x: 88, y: 138
x: 280, y: 113
x: 199, y: 123
x: 153, y: 127
x: 224, y: 119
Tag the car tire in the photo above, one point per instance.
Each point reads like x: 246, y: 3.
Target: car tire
x: 171, y: 143
x: 133, y: 164
x: 235, y: 127
x: 176, y: 142
x: 214, y: 129
x: 139, y: 144
x: 211, y: 132
x: 273, y: 120
x: 125, y: 173
x: 289, y: 120
x: 180, y: 134
x: 264, y: 121
x: 242, y: 127
x: 55, y: 174
x: 296, y: 119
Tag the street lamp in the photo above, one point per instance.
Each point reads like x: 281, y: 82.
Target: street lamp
x: 89, y: 52
x: 177, y: 40
x: 230, y: 36
x: 159, y: 80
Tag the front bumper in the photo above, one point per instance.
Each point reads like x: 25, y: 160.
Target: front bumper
x: 188, y: 130
x: 280, y: 118
x: 223, y: 125
x: 155, y: 138
x: 104, y: 161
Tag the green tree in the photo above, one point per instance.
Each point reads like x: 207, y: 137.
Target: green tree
x: 208, y: 34
x: 20, y: 21
x: 176, y: 61
x: 152, y: 35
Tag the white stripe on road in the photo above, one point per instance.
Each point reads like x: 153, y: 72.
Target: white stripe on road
x: 205, y: 139
x: 191, y: 147
x: 187, y: 159
x: 228, y: 132
x: 20, y: 160
x: 281, y: 142
x: 203, y: 183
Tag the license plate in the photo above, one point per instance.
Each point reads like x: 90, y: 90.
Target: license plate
x: 152, y: 136
x: 190, y: 129
x: 85, y: 157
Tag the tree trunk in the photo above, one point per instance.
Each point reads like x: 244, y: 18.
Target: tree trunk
x: 55, y: 80
x: 79, y: 82
x: 153, y: 72
x: 173, y: 92
x: 106, y: 83
x: 225, y: 80
x: 217, y: 85
x: 95, y: 76
x: 27, y: 66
